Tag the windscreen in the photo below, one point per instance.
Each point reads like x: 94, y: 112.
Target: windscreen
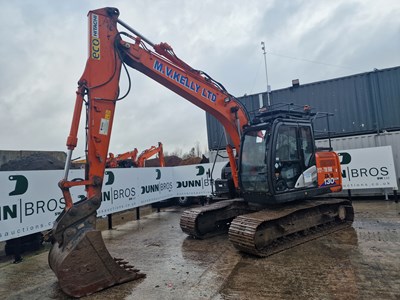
x: 253, y: 168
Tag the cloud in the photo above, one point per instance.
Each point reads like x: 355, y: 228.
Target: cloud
x: 44, y: 49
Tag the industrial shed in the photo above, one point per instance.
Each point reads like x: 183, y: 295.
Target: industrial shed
x: 366, y: 103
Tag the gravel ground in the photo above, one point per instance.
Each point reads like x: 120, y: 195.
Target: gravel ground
x: 361, y: 262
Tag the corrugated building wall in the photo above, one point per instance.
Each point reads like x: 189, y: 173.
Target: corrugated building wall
x: 362, y: 104
x: 215, y: 132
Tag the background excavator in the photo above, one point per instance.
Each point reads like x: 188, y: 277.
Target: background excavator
x: 124, y: 160
x: 146, y: 154
x: 275, y: 166
x: 131, y: 159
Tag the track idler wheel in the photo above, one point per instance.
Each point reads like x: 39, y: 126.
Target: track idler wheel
x: 85, y: 266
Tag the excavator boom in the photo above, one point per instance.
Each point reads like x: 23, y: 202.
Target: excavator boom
x: 153, y: 150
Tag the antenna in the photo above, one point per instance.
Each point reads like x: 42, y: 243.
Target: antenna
x: 266, y: 73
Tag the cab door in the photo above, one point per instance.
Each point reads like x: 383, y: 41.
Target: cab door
x: 293, y: 154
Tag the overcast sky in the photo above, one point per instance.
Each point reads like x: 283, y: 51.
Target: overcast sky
x: 44, y: 47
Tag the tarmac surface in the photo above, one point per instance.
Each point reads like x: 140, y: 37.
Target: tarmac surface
x: 361, y: 262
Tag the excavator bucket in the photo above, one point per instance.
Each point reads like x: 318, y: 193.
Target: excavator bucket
x: 85, y: 266
x: 79, y: 257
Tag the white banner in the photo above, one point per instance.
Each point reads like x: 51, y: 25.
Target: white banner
x: 195, y: 182
x: 368, y: 168
x: 30, y: 201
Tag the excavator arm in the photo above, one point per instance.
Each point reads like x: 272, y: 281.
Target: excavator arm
x: 153, y: 150
x: 78, y: 256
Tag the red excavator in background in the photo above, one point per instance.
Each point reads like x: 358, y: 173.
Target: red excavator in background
x: 124, y: 160
x: 130, y: 159
x: 146, y: 154
x: 276, y: 168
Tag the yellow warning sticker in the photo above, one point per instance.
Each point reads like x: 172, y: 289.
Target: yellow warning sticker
x: 108, y: 114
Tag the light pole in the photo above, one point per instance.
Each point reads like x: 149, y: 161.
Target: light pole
x: 266, y: 72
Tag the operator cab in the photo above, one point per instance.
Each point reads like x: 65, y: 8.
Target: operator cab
x: 277, y: 159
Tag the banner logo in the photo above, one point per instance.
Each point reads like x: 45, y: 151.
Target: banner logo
x: 21, y: 184
x: 344, y: 157
x: 110, y: 177
x: 200, y: 170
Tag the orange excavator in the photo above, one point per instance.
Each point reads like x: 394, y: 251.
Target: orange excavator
x: 146, y: 154
x: 281, y: 177
x: 122, y: 159
x: 131, y: 159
